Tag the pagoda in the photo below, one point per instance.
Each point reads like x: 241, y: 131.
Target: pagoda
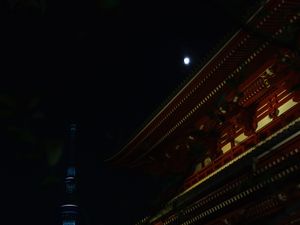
x: 231, y: 134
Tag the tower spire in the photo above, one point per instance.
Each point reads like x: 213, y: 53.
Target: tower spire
x: 72, y: 132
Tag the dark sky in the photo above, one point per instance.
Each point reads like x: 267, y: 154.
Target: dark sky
x: 107, y: 65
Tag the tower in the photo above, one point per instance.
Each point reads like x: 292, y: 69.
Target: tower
x: 69, y: 208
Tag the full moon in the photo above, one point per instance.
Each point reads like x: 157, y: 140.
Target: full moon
x: 186, y: 60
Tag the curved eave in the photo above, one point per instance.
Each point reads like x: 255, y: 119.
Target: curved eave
x: 213, y: 76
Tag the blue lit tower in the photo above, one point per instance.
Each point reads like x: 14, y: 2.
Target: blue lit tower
x: 69, y: 208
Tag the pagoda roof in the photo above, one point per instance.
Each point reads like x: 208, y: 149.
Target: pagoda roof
x: 242, y: 54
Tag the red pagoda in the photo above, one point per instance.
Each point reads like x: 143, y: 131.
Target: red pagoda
x: 232, y: 132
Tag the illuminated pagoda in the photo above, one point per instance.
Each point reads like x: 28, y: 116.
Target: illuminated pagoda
x: 231, y: 134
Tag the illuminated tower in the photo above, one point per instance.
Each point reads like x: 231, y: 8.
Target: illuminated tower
x: 69, y: 208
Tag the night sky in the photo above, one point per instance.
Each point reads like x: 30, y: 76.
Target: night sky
x: 106, y: 65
